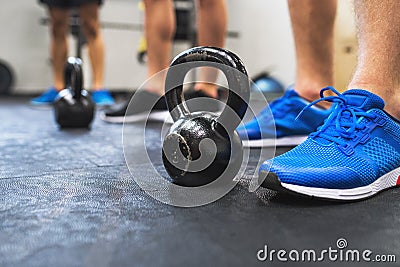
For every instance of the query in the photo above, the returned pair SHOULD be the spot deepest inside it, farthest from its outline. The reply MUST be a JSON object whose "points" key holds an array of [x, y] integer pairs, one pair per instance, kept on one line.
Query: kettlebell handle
{"points": [[224, 60], [73, 76]]}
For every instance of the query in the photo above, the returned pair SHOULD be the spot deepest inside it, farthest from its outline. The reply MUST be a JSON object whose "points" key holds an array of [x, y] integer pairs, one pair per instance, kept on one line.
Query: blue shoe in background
{"points": [[277, 124], [102, 98], [48, 97], [354, 155]]}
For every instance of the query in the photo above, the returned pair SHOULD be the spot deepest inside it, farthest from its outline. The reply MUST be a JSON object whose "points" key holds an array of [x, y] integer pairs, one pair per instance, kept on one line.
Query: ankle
{"points": [[155, 90], [207, 88], [390, 93], [309, 90], [58, 87], [311, 95]]}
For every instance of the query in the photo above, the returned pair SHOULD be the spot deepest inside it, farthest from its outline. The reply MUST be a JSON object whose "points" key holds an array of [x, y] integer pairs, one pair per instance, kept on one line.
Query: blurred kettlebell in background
{"points": [[74, 107]]}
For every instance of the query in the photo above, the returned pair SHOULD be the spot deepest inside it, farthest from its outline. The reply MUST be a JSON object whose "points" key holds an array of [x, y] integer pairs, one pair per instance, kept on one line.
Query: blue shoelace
{"points": [[344, 124]]}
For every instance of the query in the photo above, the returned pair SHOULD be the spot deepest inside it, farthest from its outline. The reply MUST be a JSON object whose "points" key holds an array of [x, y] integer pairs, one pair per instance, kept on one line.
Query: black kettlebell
{"points": [[74, 107], [201, 147]]}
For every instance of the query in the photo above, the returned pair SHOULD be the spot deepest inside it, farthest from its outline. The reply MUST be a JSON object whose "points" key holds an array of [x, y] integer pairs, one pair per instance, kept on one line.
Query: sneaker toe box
{"points": [[335, 177]]}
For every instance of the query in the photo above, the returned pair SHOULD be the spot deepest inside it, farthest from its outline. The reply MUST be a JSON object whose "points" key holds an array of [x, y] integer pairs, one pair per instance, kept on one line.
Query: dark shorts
{"points": [[69, 3]]}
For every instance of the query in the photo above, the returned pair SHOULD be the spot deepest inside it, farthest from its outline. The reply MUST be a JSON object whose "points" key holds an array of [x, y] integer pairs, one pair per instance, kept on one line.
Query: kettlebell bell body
{"points": [[74, 107], [201, 147], [185, 146]]}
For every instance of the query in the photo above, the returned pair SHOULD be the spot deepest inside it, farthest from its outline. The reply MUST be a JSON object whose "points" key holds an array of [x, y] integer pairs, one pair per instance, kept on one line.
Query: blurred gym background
{"points": [[258, 30]]}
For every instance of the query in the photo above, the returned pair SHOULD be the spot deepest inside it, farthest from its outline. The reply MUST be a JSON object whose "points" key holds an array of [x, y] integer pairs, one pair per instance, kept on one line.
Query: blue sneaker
{"points": [[354, 155], [279, 121], [46, 98], [102, 98]]}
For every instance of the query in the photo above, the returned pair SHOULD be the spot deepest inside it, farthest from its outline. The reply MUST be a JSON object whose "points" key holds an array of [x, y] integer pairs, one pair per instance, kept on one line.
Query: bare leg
{"points": [[212, 20], [89, 14], [313, 28], [58, 45], [159, 30], [379, 51]]}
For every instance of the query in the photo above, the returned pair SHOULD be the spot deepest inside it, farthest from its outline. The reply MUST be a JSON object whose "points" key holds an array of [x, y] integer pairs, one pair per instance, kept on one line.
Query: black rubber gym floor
{"points": [[68, 199]]}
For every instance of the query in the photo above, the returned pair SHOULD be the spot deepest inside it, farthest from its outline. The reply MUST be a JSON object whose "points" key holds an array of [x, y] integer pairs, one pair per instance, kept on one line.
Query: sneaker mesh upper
{"points": [[280, 119]]}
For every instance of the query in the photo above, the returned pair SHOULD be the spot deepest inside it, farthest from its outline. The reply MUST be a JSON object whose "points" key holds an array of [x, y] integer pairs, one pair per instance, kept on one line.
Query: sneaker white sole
{"points": [[156, 116], [284, 141], [391, 179]]}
